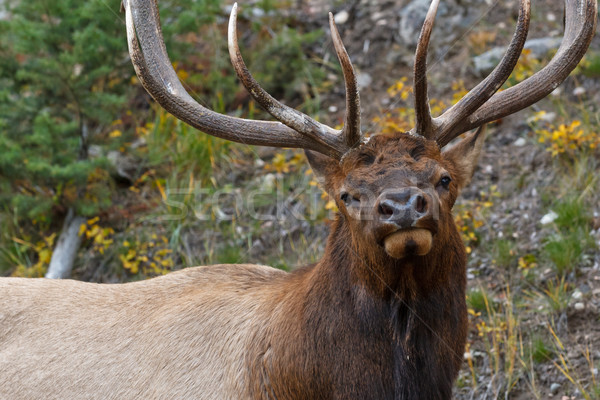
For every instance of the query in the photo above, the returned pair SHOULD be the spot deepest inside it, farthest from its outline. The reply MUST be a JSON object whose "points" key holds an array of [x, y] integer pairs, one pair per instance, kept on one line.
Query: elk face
{"points": [[397, 191]]}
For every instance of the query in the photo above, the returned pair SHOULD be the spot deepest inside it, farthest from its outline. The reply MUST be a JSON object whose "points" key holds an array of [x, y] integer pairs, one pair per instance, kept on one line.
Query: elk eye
{"points": [[366, 158], [445, 182], [348, 200]]}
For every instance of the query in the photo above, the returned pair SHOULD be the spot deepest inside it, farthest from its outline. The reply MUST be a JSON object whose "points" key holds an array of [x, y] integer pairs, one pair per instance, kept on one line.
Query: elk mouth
{"points": [[408, 242]]}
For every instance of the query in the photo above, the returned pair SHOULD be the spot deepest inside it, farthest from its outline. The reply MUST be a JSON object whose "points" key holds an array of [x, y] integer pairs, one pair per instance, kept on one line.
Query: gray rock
{"points": [[413, 15], [94, 151], [520, 142], [541, 46], [487, 61], [411, 21], [363, 80], [549, 218], [3, 13], [124, 166], [341, 17], [554, 388]]}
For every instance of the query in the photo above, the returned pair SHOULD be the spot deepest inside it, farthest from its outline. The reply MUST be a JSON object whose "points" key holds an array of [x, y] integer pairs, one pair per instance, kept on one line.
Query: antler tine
{"points": [[490, 85], [424, 123], [580, 26], [152, 65], [288, 116], [351, 131]]}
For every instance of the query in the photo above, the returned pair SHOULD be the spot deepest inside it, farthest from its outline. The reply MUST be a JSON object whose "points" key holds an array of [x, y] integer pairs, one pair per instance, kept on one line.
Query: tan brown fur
{"points": [[397, 244], [179, 336]]}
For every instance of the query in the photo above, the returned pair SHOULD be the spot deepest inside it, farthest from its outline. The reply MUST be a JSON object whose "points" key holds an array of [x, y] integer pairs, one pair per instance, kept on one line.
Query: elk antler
{"points": [[154, 69], [482, 104], [351, 130], [288, 116], [423, 120]]}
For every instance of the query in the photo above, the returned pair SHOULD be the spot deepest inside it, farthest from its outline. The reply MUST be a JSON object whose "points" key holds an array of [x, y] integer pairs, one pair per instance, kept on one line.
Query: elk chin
{"points": [[408, 242]]}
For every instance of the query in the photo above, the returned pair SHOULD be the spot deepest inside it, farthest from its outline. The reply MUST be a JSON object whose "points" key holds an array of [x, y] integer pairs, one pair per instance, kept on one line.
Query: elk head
{"points": [[395, 192]]}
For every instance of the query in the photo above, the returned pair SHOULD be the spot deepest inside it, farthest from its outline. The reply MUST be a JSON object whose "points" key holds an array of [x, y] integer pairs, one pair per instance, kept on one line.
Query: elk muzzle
{"points": [[407, 221]]}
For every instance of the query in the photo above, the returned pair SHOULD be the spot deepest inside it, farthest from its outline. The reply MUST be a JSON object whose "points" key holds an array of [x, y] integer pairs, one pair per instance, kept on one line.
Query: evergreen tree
{"points": [[63, 69], [63, 74]]}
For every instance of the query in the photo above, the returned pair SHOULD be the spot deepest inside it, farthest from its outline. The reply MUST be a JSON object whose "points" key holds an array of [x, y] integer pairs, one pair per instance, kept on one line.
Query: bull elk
{"points": [[381, 316]]}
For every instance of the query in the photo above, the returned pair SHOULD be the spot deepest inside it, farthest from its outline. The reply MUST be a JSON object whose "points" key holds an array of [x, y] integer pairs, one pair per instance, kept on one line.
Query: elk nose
{"points": [[403, 208]]}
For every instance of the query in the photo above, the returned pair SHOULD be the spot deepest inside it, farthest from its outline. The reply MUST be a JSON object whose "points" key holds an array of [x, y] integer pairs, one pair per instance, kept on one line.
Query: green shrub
{"points": [[63, 80], [572, 239]]}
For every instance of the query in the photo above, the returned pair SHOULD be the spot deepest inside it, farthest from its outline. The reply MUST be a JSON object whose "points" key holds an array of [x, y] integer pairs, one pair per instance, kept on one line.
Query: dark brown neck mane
{"points": [[352, 328]]}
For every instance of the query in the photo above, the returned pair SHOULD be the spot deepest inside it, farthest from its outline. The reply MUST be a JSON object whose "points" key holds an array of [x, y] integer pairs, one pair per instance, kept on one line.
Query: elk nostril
{"points": [[421, 204], [386, 210]]}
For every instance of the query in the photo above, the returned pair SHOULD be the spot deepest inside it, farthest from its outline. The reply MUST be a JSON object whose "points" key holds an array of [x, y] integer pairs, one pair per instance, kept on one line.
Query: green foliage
{"points": [[592, 66], [230, 255], [187, 16], [11, 252], [187, 150], [477, 300], [540, 351], [62, 80], [557, 294], [504, 252], [566, 247], [282, 66], [573, 214]]}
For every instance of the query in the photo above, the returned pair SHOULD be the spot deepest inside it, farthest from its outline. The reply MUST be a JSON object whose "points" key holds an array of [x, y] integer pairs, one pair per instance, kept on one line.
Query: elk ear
{"points": [[464, 156], [325, 169]]}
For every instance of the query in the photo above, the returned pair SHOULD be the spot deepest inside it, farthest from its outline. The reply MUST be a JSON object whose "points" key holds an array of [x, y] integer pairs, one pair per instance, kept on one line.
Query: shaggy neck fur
{"points": [[365, 326]]}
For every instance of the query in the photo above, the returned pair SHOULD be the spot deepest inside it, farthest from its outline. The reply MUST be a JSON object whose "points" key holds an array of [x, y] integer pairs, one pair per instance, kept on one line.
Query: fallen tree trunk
{"points": [[66, 248]]}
